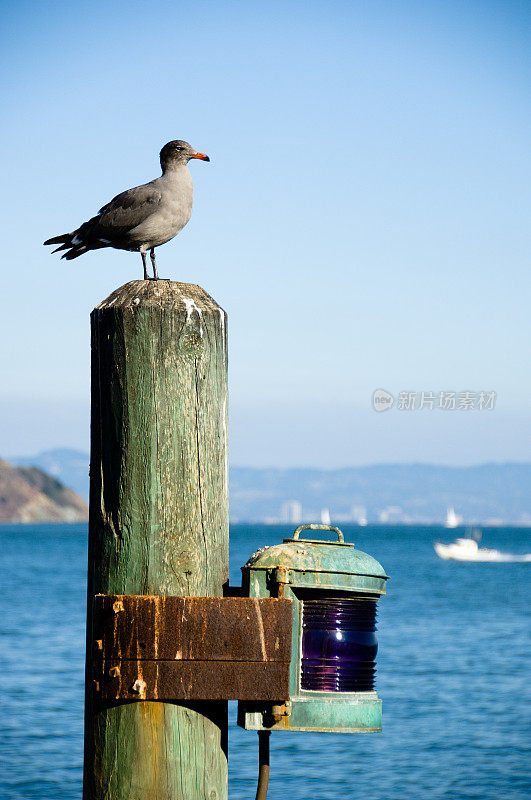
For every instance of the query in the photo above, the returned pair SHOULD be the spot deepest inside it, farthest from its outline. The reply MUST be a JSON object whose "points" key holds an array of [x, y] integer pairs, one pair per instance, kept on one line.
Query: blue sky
{"points": [[364, 219]]}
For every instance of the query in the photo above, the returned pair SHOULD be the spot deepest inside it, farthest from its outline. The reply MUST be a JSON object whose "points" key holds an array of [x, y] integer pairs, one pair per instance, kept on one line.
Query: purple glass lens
{"points": [[339, 644]]}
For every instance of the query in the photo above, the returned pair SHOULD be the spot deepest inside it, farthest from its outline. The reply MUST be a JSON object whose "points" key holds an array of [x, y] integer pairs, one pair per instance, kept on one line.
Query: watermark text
{"points": [[466, 400]]}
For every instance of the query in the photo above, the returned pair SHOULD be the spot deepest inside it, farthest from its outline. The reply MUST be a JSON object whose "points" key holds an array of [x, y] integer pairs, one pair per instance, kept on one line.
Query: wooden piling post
{"points": [[158, 521]]}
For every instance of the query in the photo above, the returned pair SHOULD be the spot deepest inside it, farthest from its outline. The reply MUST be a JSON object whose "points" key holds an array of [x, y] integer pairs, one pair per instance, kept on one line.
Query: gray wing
{"points": [[111, 226], [130, 208]]}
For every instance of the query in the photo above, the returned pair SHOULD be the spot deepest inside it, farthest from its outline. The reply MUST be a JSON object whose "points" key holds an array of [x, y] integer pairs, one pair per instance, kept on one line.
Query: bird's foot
{"points": [[154, 263]]}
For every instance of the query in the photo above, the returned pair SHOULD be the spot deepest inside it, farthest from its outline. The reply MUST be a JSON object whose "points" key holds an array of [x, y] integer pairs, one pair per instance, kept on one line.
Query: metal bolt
{"points": [[117, 606], [282, 578]]}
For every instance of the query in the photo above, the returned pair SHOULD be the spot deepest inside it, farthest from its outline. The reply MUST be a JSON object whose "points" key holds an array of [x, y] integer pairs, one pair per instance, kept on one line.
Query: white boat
{"points": [[467, 549]]}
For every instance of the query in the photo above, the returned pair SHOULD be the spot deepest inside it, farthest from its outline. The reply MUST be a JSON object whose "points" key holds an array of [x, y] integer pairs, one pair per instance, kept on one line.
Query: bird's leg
{"points": [[152, 256], [146, 276]]}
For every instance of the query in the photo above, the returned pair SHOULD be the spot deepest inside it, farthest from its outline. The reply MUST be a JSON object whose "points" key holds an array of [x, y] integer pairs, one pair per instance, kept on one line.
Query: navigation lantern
{"points": [[334, 589]]}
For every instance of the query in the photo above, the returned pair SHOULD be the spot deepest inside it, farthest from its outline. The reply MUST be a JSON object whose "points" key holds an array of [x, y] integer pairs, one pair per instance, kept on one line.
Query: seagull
{"points": [[142, 218]]}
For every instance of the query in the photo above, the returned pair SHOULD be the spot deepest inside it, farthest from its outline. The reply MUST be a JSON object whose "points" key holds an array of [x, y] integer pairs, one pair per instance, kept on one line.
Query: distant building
{"points": [[291, 512], [325, 516]]}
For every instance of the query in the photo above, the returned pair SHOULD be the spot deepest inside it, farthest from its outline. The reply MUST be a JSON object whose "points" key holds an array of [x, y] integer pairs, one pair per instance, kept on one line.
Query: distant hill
{"points": [[27, 494], [488, 493], [71, 467]]}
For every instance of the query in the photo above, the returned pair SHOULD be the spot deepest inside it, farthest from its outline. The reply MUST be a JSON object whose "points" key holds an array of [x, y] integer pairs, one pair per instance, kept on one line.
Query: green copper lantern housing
{"points": [[334, 589]]}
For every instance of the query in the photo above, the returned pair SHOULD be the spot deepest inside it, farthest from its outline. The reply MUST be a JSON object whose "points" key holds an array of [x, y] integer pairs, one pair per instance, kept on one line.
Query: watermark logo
{"points": [[382, 400]]}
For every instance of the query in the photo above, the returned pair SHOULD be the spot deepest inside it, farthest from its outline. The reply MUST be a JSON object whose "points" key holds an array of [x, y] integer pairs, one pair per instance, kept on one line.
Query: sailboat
{"points": [[325, 516], [453, 520]]}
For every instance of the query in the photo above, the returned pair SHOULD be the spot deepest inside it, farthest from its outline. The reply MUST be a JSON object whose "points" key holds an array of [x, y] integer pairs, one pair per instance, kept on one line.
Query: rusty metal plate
{"points": [[136, 627], [191, 648], [192, 680]]}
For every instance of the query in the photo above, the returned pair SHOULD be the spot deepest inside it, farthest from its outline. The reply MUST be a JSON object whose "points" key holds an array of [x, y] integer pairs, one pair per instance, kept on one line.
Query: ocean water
{"points": [[453, 673]]}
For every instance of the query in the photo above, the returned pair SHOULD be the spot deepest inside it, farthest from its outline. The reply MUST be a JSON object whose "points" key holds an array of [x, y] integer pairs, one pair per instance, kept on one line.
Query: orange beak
{"points": [[202, 156]]}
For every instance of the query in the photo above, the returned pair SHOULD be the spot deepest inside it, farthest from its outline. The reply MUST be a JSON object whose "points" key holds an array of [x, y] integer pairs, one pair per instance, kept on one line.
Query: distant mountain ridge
{"points": [[410, 493], [71, 467], [487, 494], [27, 494]]}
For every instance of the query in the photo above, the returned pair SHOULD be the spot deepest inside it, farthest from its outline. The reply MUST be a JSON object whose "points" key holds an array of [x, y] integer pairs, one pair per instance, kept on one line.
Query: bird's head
{"points": [[178, 152]]}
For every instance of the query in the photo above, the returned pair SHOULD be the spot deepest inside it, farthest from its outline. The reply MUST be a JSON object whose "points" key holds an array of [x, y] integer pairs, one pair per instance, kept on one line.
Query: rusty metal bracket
{"points": [[191, 648]]}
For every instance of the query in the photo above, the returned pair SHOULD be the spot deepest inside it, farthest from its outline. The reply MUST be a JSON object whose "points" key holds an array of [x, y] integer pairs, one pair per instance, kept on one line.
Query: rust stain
{"points": [[191, 648], [114, 672], [139, 687], [281, 577], [200, 680], [117, 606], [159, 612]]}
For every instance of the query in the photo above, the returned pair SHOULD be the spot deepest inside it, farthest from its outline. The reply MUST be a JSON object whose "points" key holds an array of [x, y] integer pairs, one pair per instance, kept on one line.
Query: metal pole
{"points": [[158, 521], [263, 765]]}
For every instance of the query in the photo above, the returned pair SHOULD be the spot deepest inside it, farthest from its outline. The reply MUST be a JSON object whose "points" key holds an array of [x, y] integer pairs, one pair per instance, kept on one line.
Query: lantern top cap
{"points": [[316, 555]]}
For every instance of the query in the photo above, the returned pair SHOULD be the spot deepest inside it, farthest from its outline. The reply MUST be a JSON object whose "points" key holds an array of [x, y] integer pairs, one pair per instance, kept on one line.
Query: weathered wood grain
{"points": [[158, 521]]}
